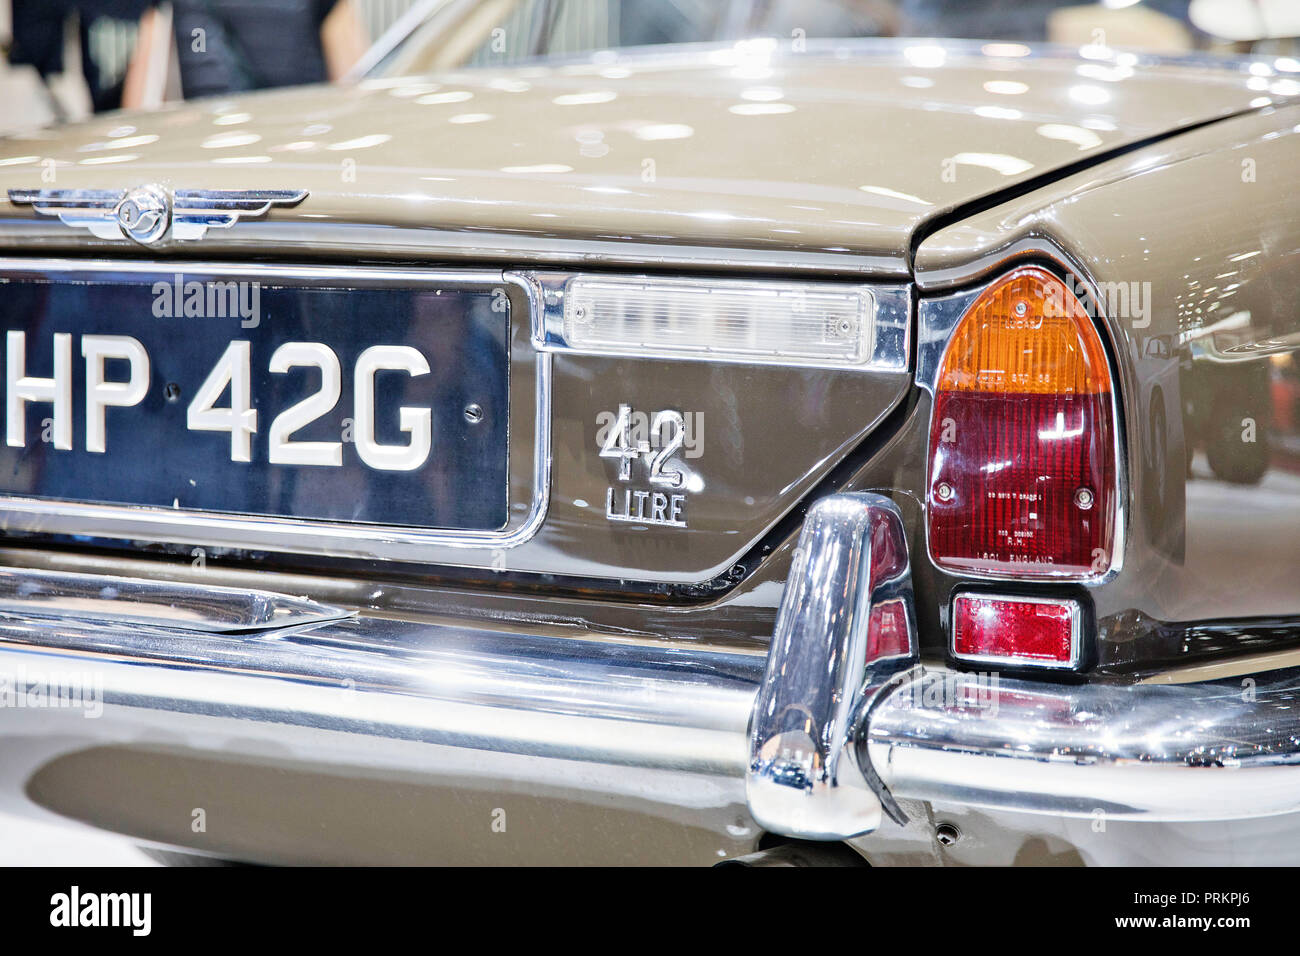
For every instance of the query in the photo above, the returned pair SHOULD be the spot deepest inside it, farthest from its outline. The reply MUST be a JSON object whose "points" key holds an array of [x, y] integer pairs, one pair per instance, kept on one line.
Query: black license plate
{"points": [[260, 396]]}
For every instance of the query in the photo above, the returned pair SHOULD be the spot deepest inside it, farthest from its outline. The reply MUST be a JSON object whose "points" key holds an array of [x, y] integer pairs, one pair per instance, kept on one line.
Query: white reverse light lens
{"points": [[785, 323]]}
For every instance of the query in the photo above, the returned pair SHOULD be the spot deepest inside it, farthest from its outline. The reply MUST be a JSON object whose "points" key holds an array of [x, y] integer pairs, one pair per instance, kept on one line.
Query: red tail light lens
{"points": [[1043, 632], [1022, 477]]}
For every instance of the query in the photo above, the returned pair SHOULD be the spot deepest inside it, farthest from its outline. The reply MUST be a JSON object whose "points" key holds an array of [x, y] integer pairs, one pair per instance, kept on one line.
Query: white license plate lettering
{"points": [[231, 375]]}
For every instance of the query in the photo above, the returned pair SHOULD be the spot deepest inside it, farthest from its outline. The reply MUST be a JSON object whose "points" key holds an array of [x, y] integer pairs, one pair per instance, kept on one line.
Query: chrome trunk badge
{"points": [[145, 212]]}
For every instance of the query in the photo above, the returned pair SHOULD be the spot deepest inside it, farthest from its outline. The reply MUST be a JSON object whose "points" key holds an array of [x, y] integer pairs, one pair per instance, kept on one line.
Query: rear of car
{"points": [[650, 458]]}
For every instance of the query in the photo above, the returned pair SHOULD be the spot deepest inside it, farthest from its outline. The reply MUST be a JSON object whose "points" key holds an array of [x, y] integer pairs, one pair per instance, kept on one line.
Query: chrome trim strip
{"points": [[350, 240], [185, 607], [295, 535], [993, 264], [805, 776], [1211, 751]]}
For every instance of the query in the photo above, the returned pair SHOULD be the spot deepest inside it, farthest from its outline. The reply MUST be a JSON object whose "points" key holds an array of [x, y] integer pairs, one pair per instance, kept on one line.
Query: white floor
{"points": [[26, 843]]}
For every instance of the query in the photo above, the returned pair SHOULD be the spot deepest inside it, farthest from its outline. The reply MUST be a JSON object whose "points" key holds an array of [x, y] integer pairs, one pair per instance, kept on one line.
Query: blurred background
{"points": [[61, 60]]}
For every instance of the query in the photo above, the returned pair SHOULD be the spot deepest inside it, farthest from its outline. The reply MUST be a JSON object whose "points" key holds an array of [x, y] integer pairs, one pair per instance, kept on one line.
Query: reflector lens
{"points": [[1022, 470], [1037, 631], [787, 323], [887, 633]]}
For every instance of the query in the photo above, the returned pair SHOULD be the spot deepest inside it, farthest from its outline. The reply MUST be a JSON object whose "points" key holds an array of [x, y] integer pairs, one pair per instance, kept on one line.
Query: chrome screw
{"points": [[1083, 498], [943, 491], [473, 413]]}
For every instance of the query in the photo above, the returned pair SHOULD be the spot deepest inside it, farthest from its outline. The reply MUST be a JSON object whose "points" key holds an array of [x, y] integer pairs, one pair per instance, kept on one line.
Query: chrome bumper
{"points": [[842, 732], [307, 734], [601, 741], [1217, 751]]}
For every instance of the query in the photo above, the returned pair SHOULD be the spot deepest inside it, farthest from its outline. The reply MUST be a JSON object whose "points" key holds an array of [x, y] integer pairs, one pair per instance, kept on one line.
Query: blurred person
{"points": [[227, 46], [38, 40]]}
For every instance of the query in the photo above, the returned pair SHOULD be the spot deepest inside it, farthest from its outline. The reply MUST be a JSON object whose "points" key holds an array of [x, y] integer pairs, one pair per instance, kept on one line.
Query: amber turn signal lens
{"points": [[1027, 335], [1022, 477]]}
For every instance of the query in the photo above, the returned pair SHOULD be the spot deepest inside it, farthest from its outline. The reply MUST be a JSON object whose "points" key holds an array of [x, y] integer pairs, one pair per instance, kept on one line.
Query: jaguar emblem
{"points": [[148, 214], [144, 214]]}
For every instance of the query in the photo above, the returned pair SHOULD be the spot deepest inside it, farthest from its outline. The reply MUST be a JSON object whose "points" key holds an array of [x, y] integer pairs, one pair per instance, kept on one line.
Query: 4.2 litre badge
{"points": [[653, 440]]}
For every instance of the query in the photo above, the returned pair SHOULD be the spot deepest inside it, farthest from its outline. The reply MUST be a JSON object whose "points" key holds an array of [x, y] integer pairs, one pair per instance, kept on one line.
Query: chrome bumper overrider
{"points": [[843, 727]]}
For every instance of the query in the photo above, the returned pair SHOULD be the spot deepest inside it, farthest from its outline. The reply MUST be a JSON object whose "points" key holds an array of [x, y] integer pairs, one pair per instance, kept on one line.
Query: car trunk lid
{"points": [[842, 152]]}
